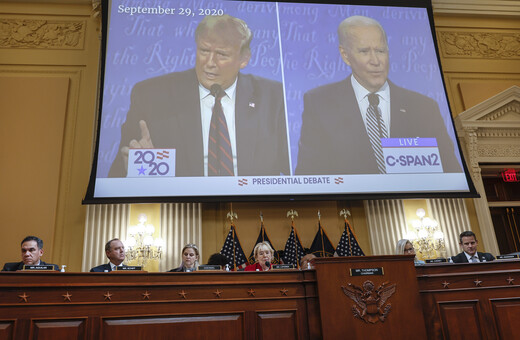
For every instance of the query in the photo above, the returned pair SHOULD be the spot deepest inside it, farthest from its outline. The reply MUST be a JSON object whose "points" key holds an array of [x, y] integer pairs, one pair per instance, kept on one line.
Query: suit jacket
{"points": [[101, 268], [14, 266], [334, 140], [170, 105], [461, 257]]}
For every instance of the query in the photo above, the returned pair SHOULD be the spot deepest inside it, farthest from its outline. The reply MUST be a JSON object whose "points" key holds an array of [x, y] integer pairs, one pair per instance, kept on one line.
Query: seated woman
{"points": [[405, 247], [190, 259], [263, 257], [219, 260]]}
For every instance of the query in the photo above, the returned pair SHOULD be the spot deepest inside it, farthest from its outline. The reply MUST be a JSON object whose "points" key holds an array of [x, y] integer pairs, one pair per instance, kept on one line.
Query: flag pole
{"points": [[262, 226], [232, 216], [321, 234], [346, 212], [293, 213]]}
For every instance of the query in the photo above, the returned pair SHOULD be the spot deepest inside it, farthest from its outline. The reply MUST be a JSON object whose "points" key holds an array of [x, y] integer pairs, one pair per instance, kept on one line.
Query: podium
{"points": [[369, 297]]}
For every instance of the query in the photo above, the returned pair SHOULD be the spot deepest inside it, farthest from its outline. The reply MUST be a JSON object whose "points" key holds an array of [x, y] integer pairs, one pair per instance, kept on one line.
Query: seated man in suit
{"points": [[220, 121], [115, 251], [32, 251], [469, 244], [343, 122]]}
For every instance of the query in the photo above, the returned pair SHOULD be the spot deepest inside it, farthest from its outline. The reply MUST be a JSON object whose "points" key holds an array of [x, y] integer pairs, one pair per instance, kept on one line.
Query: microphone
{"points": [[268, 264], [215, 90]]}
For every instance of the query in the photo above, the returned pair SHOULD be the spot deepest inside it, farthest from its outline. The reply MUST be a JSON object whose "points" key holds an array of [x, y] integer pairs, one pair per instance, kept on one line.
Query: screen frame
{"points": [[90, 199]]}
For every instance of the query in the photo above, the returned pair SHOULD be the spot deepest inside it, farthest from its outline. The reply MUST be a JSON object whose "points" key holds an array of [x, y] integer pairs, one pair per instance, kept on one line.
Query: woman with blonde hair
{"points": [[405, 247], [264, 254]]}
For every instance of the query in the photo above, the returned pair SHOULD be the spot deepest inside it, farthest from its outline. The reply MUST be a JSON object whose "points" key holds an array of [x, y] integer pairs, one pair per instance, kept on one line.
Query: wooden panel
{"points": [[373, 306], [227, 326], [35, 160], [507, 317], [277, 325], [460, 320], [58, 329], [6, 330]]}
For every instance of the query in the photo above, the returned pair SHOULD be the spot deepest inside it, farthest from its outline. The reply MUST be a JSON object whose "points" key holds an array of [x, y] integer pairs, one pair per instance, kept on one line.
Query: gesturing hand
{"points": [[144, 143]]}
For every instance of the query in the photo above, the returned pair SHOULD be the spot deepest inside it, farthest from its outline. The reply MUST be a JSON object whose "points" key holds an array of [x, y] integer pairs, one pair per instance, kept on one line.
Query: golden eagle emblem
{"points": [[370, 302]]}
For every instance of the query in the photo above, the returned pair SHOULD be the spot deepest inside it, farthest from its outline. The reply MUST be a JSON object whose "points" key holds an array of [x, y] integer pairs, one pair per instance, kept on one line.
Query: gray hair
{"points": [[356, 21], [264, 244], [108, 245], [401, 244]]}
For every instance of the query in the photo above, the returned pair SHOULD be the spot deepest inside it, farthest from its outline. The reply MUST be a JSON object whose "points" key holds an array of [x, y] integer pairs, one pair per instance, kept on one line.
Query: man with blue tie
{"points": [[469, 243], [115, 251]]}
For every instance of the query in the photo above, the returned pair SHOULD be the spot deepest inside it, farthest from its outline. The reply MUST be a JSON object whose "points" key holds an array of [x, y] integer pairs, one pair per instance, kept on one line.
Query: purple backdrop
{"points": [[142, 46]]}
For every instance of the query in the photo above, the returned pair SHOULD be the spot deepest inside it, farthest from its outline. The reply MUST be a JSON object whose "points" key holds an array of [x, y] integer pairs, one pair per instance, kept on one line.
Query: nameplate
{"points": [[210, 267], [151, 163], [128, 268], [366, 271], [506, 257], [282, 266], [411, 155], [435, 260], [42, 267]]}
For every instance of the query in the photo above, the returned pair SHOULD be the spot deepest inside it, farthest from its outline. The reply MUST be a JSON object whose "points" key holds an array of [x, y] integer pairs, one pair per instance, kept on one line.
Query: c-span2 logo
{"points": [[411, 155]]}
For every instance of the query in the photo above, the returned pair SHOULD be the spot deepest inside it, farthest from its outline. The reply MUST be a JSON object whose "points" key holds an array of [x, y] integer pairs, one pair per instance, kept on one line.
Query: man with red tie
{"points": [[181, 111]]}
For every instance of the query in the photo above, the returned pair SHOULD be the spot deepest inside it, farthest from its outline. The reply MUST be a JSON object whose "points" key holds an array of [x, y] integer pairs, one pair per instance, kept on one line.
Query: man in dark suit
{"points": [[469, 243], [175, 110], [334, 137], [115, 251], [32, 251]]}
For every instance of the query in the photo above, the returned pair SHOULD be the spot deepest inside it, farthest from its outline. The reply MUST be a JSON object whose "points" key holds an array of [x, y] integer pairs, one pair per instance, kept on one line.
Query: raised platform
{"points": [[458, 301]]}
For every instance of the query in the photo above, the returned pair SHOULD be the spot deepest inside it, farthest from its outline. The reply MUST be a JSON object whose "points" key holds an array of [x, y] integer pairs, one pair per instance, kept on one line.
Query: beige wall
{"points": [[48, 99]]}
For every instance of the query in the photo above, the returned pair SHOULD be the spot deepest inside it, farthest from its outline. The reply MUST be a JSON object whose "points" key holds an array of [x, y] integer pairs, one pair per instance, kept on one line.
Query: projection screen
{"points": [[292, 114]]}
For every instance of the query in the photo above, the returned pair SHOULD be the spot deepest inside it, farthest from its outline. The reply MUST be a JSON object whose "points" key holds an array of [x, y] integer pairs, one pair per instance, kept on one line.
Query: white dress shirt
{"points": [[469, 257], [384, 101]]}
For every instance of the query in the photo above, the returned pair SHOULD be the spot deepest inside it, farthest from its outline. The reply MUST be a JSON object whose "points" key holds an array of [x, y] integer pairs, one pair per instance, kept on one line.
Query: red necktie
{"points": [[220, 156]]}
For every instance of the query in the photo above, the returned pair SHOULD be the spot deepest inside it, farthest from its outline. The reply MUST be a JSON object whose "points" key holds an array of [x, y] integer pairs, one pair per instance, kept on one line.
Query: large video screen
{"points": [[204, 100]]}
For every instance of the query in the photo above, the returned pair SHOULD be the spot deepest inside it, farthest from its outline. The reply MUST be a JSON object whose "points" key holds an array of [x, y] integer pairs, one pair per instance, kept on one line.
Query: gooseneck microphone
{"points": [[268, 264]]}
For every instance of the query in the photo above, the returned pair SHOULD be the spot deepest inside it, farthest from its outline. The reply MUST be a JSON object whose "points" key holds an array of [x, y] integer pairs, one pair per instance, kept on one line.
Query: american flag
{"points": [[293, 251], [348, 244], [233, 250], [321, 246], [261, 238]]}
